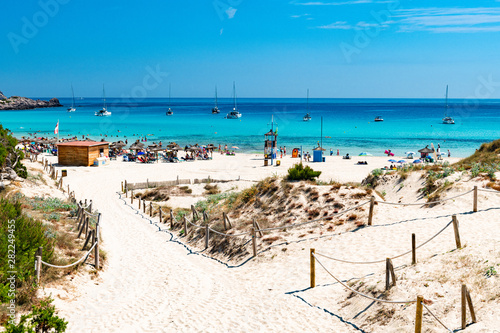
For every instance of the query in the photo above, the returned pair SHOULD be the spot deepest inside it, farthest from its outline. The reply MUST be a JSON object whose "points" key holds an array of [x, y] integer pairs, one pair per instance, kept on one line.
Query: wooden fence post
{"points": [[185, 226], [195, 214], [171, 220], [131, 196], [90, 206], [122, 187], [227, 220], [313, 268], [207, 235], [161, 220], [87, 240], [471, 307], [413, 250], [224, 220], [370, 212], [389, 274], [96, 248], [418, 319], [38, 269], [126, 188], [457, 234], [474, 208], [150, 209], [139, 204], [257, 227], [463, 306], [143, 206], [254, 242]]}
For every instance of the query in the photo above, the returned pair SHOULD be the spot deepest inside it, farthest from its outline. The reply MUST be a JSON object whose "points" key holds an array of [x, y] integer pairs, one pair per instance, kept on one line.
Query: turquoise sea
{"points": [[409, 124]]}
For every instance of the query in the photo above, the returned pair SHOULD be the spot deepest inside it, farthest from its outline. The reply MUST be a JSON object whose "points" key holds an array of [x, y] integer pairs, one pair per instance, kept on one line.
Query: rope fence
{"points": [[153, 184], [256, 230], [83, 217], [420, 302]]}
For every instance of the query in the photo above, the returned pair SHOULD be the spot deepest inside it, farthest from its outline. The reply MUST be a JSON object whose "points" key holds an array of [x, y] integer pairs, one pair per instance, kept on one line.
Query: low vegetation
{"points": [[299, 172]]}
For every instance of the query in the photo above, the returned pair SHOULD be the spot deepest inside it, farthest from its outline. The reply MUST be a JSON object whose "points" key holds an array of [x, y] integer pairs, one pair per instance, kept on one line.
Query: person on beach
{"points": [[449, 154], [331, 151], [338, 152], [438, 149], [284, 150]]}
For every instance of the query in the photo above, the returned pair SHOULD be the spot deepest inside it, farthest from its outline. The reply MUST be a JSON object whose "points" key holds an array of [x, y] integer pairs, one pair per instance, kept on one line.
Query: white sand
{"points": [[153, 284]]}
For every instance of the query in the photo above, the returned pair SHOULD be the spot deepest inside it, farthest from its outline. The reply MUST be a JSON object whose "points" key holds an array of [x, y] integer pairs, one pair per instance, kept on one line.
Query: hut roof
{"points": [[82, 144], [426, 150], [319, 148]]}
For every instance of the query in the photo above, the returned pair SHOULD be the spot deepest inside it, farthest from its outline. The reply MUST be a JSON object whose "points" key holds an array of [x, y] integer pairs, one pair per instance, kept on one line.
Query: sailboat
{"points": [[72, 108], [169, 111], [447, 119], [307, 117], [234, 114], [215, 110], [103, 112]]}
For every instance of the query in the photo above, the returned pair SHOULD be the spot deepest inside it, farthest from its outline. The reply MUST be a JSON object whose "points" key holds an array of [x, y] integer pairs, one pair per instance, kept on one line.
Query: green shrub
{"points": [[28, 235], [8, 150], [298, 172], [42, 319]]}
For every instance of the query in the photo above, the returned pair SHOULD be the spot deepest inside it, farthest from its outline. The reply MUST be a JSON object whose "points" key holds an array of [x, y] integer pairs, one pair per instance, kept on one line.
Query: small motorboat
{"points": [[307, 117], [233, 115], [170, 112], [103, 113], [379, 119]]}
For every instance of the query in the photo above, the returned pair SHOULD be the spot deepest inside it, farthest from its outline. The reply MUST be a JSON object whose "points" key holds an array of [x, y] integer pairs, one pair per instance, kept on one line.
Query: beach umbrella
{"points": [[417, 161], [365, 154], [392, 160], [410, 152], [401, 161], [194, 148]]}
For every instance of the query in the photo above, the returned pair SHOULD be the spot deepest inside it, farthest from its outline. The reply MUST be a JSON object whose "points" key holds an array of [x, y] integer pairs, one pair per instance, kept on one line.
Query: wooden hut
{"points": [[81, 153]]}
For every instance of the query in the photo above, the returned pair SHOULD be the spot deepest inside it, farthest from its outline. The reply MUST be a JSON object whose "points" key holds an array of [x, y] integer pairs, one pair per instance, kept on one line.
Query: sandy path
{"points": [[153, 285]]}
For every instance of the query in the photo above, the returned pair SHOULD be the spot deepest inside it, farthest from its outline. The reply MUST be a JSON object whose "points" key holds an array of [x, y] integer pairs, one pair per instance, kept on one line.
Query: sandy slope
{"points": [[152, 283]]}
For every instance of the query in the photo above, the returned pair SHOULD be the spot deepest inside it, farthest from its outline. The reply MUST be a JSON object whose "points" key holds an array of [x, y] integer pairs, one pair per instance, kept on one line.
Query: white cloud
{"points": [[231, 12], [449, 20], [343, 25], [299, 16], [341, 3], [339, 25]]}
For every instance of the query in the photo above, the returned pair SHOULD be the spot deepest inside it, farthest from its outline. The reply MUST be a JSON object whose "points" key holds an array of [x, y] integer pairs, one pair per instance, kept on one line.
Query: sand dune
{"points": [[153, 283]]}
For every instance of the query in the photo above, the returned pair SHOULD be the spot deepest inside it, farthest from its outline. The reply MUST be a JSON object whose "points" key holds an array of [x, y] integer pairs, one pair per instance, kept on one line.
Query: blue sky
{"points": [[271, 48]]}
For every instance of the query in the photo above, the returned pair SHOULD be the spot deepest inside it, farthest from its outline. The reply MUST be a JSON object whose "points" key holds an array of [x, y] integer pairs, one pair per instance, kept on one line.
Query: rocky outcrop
{"points": [[23, 103]]}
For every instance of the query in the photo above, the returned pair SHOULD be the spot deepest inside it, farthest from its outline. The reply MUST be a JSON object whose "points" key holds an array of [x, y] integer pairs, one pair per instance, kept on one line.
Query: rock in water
{"points": [[23, 103]]}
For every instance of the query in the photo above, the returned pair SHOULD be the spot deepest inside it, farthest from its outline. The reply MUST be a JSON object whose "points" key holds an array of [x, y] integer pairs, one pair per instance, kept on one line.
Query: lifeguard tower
{"points": [[270, 144]]}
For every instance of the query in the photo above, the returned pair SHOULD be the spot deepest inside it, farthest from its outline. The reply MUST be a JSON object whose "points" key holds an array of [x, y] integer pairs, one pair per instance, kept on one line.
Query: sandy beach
{"points": [[154, 282]]}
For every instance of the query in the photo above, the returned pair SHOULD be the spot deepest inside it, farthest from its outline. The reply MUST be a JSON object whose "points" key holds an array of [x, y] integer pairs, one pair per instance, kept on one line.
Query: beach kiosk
{"points": [[270, 144], [82, 153], [424, 152], [318, 154]]}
